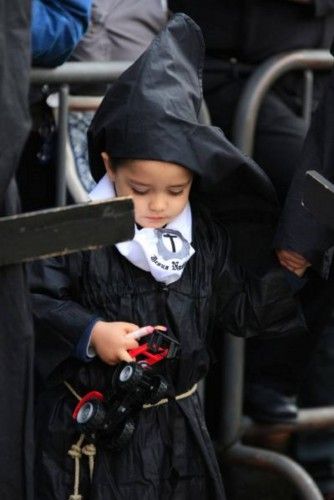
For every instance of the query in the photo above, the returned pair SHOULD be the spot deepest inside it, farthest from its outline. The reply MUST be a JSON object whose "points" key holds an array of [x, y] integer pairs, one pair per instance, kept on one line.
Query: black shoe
{"points": [[266, 405]]}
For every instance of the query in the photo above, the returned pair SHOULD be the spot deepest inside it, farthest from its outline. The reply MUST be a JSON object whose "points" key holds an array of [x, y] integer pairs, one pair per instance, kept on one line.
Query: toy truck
{"points": [[111, 418]]}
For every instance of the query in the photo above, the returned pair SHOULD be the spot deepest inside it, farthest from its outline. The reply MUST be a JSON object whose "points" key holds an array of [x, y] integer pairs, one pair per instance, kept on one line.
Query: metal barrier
{"points": [[63, 76], [261, 81], [232, 427]]}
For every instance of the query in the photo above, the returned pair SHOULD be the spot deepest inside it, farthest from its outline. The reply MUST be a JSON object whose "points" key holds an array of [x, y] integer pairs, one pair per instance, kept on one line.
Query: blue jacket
{"points": [[57, 26]]}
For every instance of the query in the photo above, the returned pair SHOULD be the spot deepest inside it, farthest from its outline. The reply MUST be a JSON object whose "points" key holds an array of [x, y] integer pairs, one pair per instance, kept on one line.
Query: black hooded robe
{"points": [[151, 112], [171, 441]]}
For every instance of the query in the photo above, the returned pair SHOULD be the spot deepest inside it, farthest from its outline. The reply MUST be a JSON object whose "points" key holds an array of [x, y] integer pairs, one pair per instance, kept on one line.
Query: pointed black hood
{"points": [[151, 112]]}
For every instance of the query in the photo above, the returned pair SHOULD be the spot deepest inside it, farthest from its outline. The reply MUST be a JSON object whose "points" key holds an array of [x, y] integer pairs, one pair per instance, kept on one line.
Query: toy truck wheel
{"points": [[91, 415], [127, 376], [124, 435], [160, 389]]}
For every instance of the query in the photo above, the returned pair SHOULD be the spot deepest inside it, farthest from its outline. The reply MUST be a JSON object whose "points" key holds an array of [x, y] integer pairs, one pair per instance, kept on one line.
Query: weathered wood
{"points": [[59, 231], [318, 197]]}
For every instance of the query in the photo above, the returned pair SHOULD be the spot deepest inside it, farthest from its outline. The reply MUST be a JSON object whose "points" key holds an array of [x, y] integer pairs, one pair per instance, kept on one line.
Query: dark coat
{"points": [[120, 31], [212, 293], [56, 28], [253, 30], [16, 338]]}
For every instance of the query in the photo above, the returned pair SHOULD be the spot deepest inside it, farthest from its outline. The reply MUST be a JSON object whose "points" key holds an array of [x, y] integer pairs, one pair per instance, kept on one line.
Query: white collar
{"points": [[163, 252]]}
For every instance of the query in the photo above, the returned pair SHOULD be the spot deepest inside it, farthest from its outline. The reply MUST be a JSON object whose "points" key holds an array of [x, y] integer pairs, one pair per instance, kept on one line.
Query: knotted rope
{"points": [[177, 398], [89, 450], [76, 451]]}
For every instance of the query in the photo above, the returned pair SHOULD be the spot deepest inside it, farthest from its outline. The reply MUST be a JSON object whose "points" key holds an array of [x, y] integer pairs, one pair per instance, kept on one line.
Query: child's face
{"points": [[160, 190]]}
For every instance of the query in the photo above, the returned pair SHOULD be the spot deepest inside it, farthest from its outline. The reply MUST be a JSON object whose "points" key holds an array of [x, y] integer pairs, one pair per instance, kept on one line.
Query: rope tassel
{"points": [[76, 451], [90, 451]]}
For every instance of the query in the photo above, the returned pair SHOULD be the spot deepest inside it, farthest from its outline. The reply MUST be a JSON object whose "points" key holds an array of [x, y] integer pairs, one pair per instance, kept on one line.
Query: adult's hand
{"points": [[293, 261]]}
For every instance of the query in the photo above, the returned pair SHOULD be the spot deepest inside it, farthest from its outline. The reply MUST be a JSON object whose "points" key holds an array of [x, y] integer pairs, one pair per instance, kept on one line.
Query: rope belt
{"points": [[77, 449], [147, 405], [177, 397]]}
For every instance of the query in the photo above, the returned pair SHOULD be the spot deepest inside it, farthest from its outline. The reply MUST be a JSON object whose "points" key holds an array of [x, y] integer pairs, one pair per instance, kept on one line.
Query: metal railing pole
{"points": [[79, 72], [308, 96], [277, 463], [309, 419], [260, 82], [231, 402], [61, 144]]}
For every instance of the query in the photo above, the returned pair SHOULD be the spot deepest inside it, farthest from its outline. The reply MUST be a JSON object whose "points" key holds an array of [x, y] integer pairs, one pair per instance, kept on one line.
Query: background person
{"points": [[301, 236], [119, 31], [16, 335], [57, 26], [239, 36]]}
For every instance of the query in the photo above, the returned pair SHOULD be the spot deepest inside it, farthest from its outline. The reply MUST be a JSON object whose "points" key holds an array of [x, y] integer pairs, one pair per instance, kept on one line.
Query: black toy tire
{"points": [[91, 416], [160, 390], [117, 443], [127, 376]]}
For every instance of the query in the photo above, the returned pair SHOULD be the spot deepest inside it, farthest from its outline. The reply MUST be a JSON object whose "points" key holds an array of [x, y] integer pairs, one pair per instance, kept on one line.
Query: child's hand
{"points": [[111, 341], [293, 261]]}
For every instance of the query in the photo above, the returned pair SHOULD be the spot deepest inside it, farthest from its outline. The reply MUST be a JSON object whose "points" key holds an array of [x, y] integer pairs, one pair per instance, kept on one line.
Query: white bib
{"points": [[163, 252]]}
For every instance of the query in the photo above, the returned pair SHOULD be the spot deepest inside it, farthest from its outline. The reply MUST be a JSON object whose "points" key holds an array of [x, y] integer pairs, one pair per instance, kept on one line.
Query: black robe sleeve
{"points": [[59, 320], [255, 303]]}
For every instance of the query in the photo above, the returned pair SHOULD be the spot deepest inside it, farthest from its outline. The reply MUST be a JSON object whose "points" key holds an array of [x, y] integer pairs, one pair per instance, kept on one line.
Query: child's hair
{"points": [[118, 162]]}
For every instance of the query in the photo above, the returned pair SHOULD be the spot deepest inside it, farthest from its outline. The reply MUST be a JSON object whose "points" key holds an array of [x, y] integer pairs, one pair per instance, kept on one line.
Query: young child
{"points": [[146, 141]]}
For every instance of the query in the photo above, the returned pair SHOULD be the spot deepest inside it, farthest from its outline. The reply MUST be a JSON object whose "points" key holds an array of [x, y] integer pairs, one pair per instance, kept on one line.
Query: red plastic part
{"points": [[144, 353], [89, 395]]}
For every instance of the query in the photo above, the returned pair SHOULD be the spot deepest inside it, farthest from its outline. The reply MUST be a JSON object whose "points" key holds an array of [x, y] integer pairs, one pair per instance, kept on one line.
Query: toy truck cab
{"points": [[158, 346]]}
